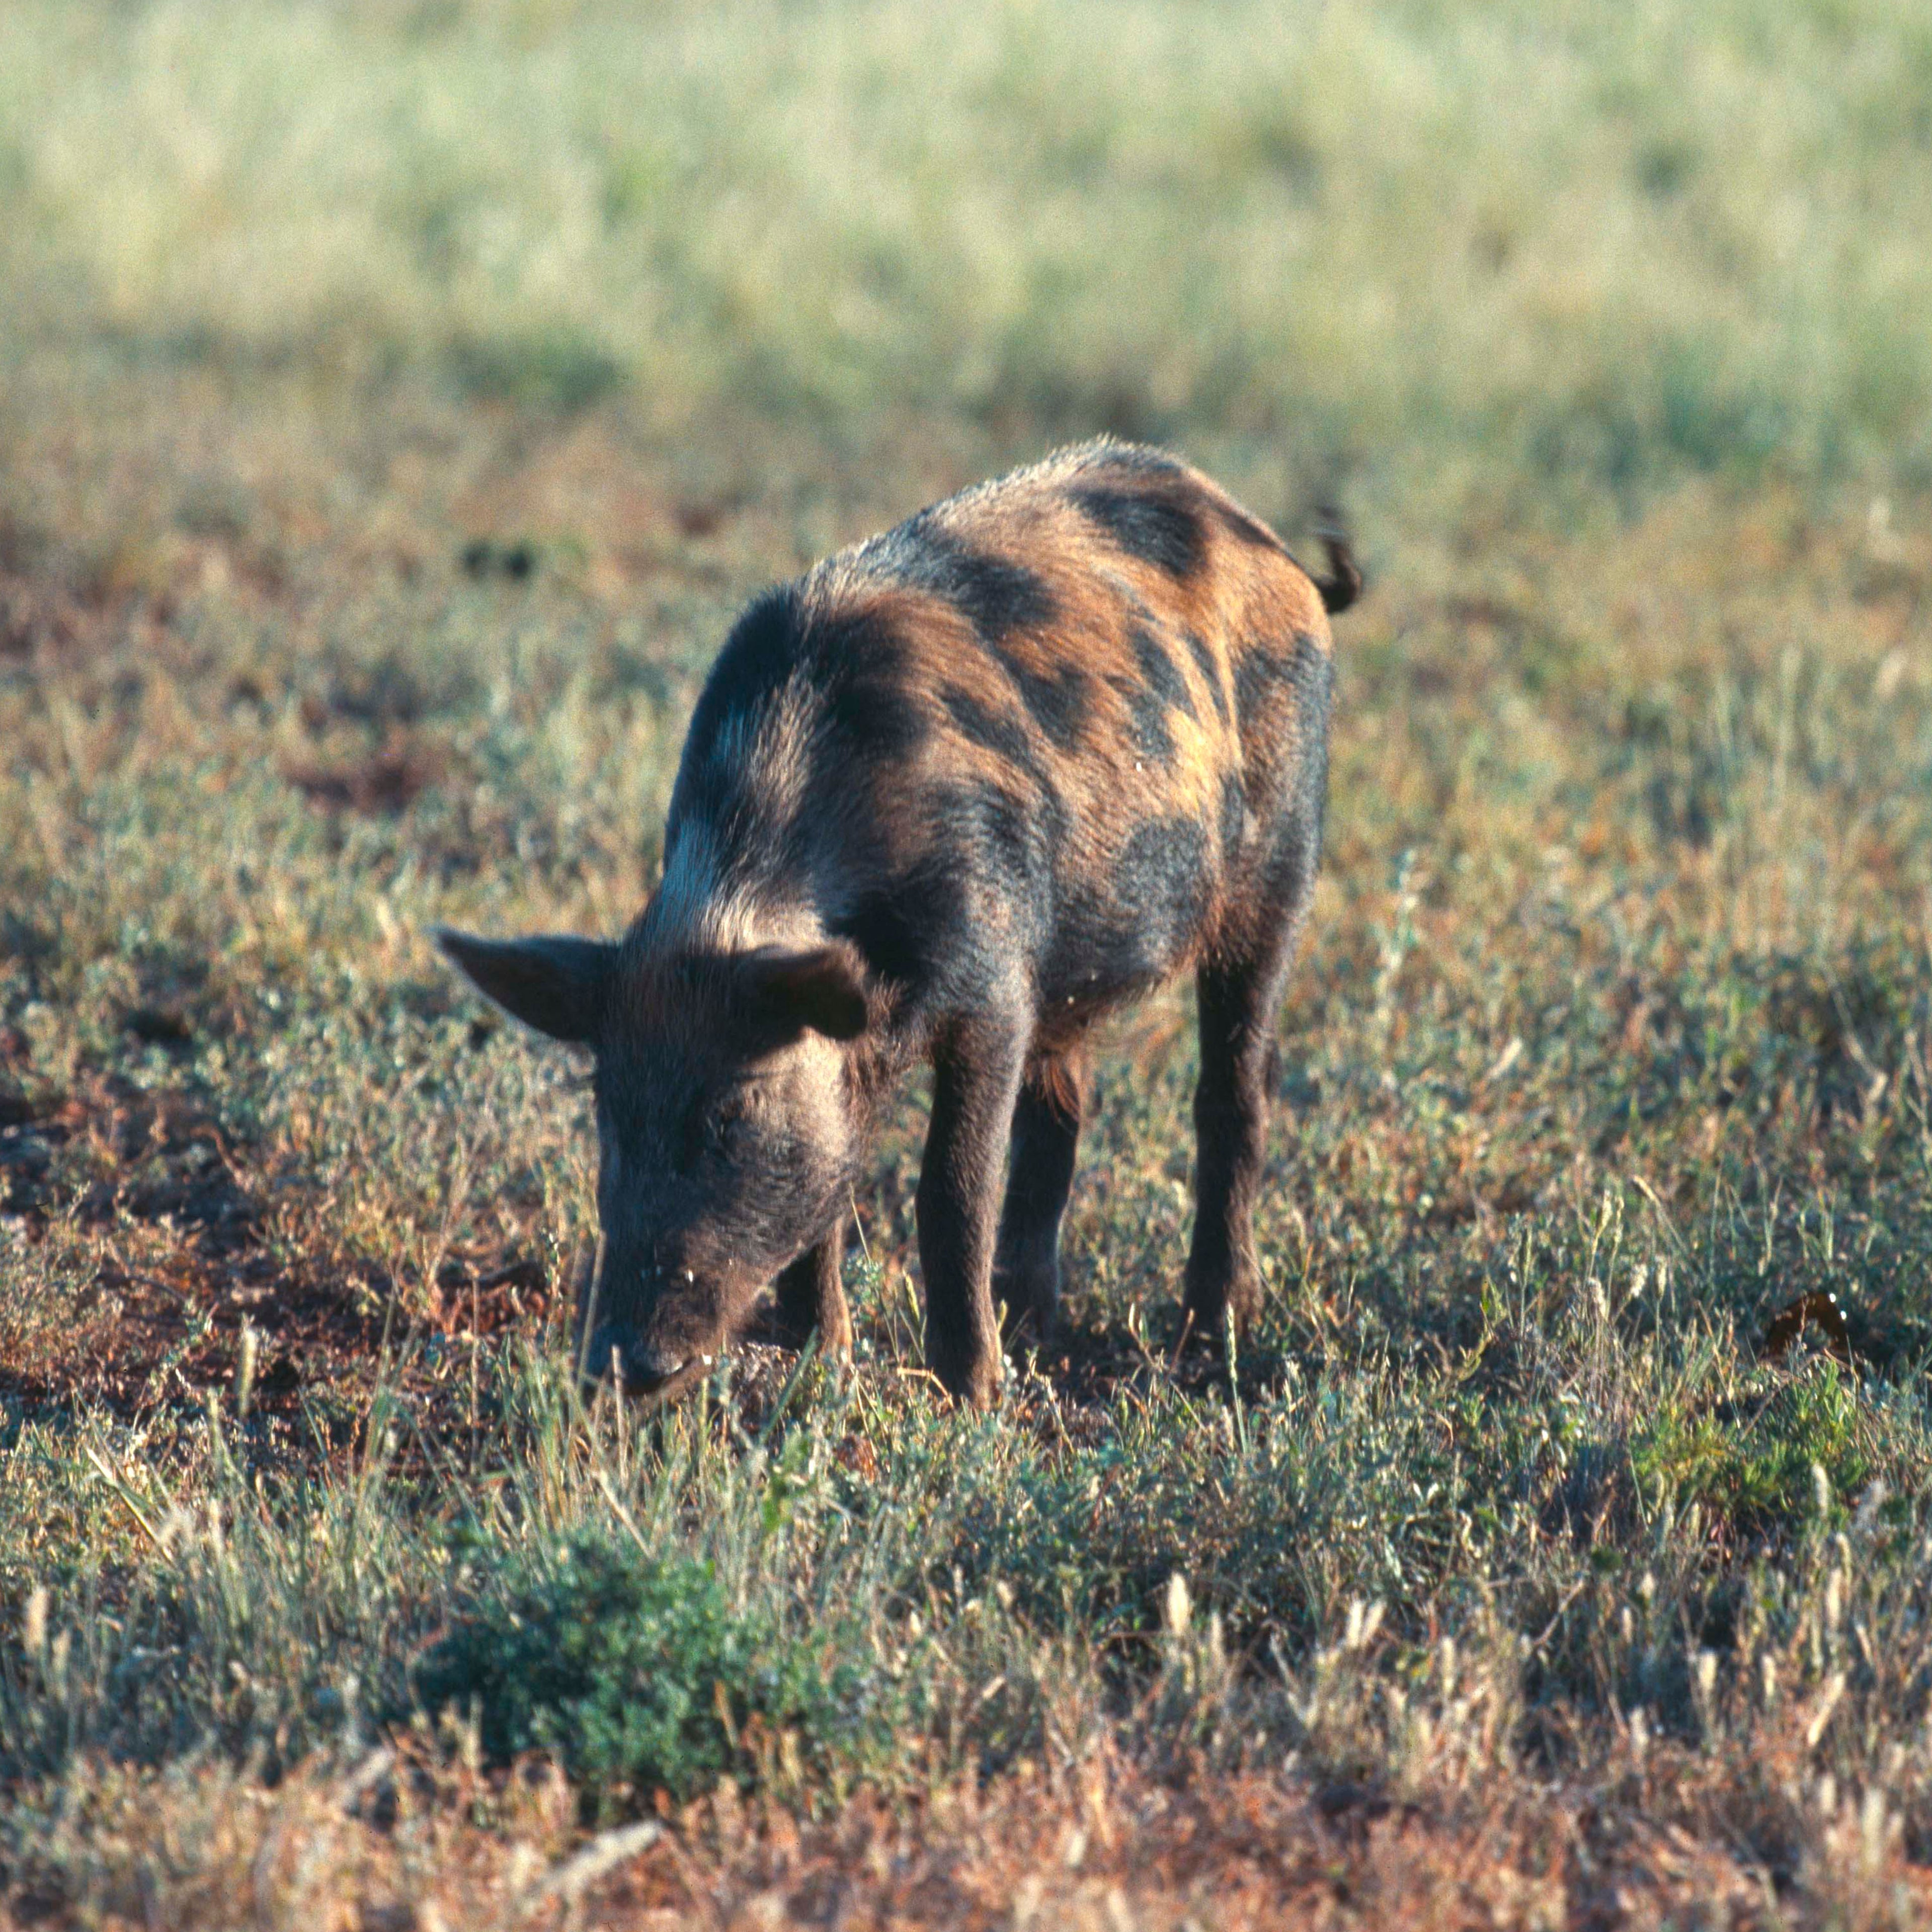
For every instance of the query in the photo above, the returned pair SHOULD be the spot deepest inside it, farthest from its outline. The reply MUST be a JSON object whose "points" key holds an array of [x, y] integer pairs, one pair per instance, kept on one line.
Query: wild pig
{"points": [[953, 794]]}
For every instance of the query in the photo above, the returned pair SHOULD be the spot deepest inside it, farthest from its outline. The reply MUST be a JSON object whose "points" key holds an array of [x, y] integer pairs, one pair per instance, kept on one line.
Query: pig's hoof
{"points": [[982, 1392], [1028, 1293], [973, 1380], [1206, 1311]]}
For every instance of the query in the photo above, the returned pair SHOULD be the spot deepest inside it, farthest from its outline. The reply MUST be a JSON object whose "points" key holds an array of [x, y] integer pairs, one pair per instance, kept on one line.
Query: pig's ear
{"points": [[552, 982], [824, 990]]}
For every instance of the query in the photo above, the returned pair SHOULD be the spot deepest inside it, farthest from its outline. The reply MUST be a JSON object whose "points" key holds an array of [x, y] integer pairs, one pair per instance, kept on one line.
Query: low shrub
{"points": [[639, 1673]]}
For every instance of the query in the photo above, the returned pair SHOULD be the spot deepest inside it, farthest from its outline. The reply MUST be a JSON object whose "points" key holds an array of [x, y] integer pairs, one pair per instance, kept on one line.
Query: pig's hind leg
{"points": [[1240, 988], [1230, 1120], [1039, 1174]]}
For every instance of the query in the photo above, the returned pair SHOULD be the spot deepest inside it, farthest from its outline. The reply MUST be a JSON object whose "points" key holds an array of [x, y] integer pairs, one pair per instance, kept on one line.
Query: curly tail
{"points": [[1344, 584]]}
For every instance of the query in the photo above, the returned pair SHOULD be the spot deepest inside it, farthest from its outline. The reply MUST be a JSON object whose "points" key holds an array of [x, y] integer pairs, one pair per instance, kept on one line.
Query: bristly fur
{"points": [[988, 775]]}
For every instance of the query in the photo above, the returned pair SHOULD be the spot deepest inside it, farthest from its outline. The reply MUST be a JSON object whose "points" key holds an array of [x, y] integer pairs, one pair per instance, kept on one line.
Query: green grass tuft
{"points": [[638, 1672]]}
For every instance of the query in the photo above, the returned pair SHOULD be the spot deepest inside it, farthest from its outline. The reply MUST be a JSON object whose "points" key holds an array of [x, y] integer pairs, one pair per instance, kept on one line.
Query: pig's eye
{"points": [[722, 1126], [712, 1131]]}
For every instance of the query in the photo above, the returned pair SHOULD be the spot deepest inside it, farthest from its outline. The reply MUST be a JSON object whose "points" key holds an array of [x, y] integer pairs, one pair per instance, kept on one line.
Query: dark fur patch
{"points": [[1005, 737], [995, 595], [1234, 813], [1300, 667], [1135, 459], [1157, 529], [1162, 673], [868, 709], [1057, 701], [759, 657], [1210, 672], [877, 718], [1162, 872], [847, 659], [916, 930], [903, 926], [1004, 828], [1147, 721], [1294, 847], [1261, 670], [1247, 529], [1103, 952], [1131, 928], [1045, 826], [997, 834]]}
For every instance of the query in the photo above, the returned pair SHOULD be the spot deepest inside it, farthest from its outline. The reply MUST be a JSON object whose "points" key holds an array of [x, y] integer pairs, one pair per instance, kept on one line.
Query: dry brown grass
{"points": [[1104, 1847]]}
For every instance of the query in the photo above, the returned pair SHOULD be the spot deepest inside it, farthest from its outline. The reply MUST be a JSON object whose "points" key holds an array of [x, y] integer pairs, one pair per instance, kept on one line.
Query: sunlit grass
{"points": [[1503, 1548]]}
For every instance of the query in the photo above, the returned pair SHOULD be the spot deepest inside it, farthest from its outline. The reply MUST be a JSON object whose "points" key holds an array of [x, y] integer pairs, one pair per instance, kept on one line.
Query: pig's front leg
{"points": [[975, 1080], [811, 1293]]}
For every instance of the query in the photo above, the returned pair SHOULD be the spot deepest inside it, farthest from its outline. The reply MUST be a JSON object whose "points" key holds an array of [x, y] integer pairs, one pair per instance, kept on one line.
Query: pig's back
{"points": [[1065, 730]]}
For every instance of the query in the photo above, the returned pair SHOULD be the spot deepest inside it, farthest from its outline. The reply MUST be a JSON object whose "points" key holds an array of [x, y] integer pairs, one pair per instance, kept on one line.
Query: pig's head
{"points": [[728, 1131]]}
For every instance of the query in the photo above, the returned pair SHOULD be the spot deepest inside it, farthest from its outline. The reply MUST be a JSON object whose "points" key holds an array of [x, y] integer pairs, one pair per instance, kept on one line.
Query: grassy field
{"points": [[397, 401]]}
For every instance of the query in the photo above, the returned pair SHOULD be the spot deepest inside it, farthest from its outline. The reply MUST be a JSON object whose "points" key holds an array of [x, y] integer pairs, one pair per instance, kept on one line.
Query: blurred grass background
{"points": [[1526, 244]]}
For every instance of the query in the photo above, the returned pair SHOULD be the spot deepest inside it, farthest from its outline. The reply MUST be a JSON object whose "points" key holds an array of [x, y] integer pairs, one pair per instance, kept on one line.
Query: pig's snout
{"points": [[620, 1344], [642, 1366]]}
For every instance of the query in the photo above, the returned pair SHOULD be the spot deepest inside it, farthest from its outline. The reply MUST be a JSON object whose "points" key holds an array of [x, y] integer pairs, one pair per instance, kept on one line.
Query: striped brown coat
{"points": [[952, 795]]}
